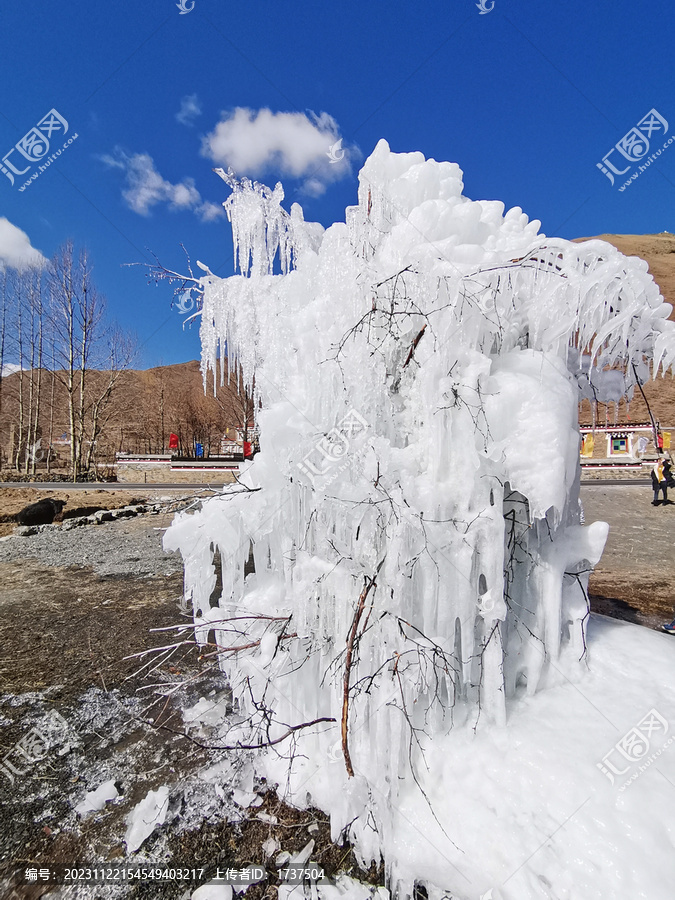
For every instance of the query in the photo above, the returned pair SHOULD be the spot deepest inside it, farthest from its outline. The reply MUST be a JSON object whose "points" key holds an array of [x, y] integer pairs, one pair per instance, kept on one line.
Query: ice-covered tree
{"points": [[413, 513]]}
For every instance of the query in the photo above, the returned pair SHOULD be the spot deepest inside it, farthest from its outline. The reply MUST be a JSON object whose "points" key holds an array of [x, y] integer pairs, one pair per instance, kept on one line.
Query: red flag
{"points": [[173, 441]]}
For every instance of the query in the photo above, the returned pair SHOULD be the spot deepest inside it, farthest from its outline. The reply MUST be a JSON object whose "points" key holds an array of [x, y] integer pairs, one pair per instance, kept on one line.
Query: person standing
{"points": [[660, 477]]}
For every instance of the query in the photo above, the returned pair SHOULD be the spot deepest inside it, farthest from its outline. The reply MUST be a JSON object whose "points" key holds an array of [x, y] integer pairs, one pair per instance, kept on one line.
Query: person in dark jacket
{"points": [[660, 477]]}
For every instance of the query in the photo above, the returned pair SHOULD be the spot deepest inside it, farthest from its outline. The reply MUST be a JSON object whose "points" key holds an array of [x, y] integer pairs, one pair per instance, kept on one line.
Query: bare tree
{"points": [[236, 403], [22, 319], [36, 319], [4, 301], [90, 357], [75, 314], [121, 350]]}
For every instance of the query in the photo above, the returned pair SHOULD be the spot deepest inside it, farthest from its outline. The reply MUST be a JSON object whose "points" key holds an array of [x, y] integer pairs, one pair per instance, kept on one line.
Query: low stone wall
{"points": [[134, 472], [611, 473]]}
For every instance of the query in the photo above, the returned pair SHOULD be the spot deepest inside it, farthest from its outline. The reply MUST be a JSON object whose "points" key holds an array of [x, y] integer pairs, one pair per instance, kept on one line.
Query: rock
{"points": [[26, 530], [79, 512], [123, 513], [75, 522]]}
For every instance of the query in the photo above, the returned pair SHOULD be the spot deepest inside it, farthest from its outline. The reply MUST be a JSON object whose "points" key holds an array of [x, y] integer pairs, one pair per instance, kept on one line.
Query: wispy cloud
{"points": [[16, 250], [294, 144], [146, 188], [190, 109]]}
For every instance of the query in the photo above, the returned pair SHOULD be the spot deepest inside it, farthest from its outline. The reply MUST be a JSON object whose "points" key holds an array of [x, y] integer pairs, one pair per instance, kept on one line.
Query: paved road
{"points": [[123, 486], [104, 486], [636, 574]]}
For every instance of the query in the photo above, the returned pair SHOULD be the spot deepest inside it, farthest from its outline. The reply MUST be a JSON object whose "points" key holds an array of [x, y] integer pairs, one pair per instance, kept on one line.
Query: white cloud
{"points": [[145, 187], [297, 144], [210, 211], [190, 109], [16, 250]]}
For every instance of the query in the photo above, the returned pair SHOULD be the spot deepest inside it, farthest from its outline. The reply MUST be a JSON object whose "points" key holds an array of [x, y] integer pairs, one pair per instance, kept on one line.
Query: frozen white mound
{"points": [[145, 817], [420, 567]]}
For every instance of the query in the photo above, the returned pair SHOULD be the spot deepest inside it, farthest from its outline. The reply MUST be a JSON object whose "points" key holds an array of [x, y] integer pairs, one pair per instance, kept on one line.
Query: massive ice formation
{"points": [[413, 512]]}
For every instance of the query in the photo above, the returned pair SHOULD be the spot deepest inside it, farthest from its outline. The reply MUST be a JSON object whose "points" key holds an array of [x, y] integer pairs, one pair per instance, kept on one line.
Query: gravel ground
{"points": [[124, 547], [77, 607]]}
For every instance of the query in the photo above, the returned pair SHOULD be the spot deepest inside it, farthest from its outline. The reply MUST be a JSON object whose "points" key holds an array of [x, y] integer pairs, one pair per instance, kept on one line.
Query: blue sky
{"points": [[527, 98]]}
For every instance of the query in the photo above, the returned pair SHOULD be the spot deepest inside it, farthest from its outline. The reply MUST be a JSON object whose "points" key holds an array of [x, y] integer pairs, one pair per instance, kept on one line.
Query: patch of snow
{"points": [[145, 817], [97, 799], [346, 888], [207, 711], [213, 891], [244, 798], [270, 846]]}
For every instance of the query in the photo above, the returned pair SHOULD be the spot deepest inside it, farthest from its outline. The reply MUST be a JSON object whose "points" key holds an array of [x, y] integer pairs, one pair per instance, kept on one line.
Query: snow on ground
{"points": [[527, 812], [145, 817]]}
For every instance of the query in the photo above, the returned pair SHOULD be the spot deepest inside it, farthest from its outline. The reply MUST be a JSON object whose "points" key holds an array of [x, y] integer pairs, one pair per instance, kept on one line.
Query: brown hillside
{"points": [[659, 252]]}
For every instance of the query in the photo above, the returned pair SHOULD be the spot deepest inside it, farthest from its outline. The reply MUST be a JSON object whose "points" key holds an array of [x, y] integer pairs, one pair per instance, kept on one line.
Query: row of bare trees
{"points": [[66, 358], [69, 400]]}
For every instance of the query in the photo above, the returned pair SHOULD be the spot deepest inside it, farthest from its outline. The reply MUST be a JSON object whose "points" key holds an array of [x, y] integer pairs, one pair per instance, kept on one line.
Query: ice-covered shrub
{"points": [[413, 512]]}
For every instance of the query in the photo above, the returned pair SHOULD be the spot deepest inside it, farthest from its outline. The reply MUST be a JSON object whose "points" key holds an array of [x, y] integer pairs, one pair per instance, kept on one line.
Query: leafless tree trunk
{"points": [[3, 327], [76, 310], [51, 409], [35, 337], [19, 333], [121, 351]]}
